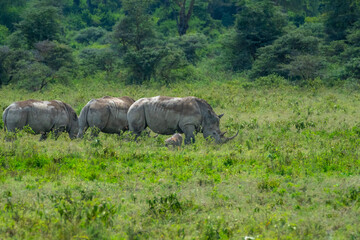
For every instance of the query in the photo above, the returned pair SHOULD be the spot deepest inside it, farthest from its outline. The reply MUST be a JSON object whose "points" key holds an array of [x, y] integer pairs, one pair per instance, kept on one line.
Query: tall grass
{"points": [[292, 173]]}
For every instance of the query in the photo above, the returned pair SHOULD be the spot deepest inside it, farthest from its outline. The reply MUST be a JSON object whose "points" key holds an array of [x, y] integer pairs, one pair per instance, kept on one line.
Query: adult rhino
{"points": [[108, 114], [168, 115], [42, 117]]}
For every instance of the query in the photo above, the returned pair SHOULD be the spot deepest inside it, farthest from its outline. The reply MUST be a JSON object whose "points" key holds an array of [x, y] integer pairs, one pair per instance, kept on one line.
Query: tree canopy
{"points": [[164, 40]]}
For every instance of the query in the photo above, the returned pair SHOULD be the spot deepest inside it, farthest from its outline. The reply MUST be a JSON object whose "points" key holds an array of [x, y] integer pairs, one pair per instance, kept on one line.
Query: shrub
{"points": [[91, 34], [258, 24], [299, 46], [190, 45], [272, 80], [32, 76], [4, 32], [95, 59], [41, 24], [304, 67], [142, 63], [55, 55]]}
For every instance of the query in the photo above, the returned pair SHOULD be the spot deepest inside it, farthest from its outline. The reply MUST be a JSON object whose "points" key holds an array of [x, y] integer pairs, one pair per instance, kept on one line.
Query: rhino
{"points": [[174, 140], [42, 117], [107, 114], [168, 115]]}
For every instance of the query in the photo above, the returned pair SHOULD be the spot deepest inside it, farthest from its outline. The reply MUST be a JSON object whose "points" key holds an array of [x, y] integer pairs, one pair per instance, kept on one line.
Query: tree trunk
{"points": [[183, 19]]}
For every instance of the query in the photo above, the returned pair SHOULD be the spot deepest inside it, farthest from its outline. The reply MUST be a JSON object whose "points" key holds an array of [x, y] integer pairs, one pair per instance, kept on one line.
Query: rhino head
{"points": [[211, 129]]}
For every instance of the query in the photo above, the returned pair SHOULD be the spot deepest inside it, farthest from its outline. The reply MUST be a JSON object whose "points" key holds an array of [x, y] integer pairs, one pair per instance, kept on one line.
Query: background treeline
{"points": [[137, 41]]}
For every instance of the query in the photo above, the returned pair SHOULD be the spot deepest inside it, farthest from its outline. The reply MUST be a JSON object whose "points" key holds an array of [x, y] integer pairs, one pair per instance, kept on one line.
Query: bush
{"points": [[4, 32], [55, 55], [41, 24], [95, 59], [9, 62], [32, 76], [304, 67], [299, 46], [142, 63], [272, 80], [168, 68], [352, 68], [190, 45], [91, 34], [258, 24]]}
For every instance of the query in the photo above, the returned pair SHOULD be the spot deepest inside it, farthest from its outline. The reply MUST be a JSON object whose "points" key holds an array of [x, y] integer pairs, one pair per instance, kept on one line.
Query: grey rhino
{"points": [[42, 117], [174, 140], [168, 115], [107, 114]]}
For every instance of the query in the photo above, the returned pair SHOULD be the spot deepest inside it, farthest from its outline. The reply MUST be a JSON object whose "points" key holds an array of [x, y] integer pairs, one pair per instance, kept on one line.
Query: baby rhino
{"points": [[174, 140]]}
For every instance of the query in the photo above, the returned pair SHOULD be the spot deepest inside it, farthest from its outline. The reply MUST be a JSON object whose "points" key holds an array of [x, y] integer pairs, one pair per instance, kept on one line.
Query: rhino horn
{"points": [[223, 134], [230, 138], [220, 116]]}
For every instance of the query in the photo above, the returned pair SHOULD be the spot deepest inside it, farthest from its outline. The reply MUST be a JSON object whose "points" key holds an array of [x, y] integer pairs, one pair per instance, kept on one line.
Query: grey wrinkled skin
{"points": [[107, 114], [42, 117], [175, 140], [168, 115]]}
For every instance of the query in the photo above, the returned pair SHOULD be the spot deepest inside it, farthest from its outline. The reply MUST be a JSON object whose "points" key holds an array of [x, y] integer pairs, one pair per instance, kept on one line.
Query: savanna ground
{"points": [[292, 173]]}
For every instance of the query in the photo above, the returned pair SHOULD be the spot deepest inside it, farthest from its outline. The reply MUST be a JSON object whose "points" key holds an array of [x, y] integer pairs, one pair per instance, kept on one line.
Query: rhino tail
{"points": [[5, 117]]}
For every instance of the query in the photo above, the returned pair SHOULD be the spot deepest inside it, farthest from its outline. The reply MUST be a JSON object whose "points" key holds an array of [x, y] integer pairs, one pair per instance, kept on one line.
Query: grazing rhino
{"points": [[168, 115], [107, 114], [42, 117], [174, 140]]}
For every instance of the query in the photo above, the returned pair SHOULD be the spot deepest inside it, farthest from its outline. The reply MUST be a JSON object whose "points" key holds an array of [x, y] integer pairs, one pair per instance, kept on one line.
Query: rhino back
{"points": [[41, 116], [109, 114], [167, 115]]}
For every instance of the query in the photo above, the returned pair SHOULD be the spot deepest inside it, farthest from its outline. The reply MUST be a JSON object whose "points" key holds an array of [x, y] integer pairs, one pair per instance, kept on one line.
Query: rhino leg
{"points": [[43, 136], [58, 131], [189, 133]]}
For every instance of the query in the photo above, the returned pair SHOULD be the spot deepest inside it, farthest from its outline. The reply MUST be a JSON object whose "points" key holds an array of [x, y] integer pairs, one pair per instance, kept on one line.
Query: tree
{"points": [[41, 24], [10, 12], [136, 27], [295, 54], [258, 24], [183, 16], [340, 15], [223, 10]]}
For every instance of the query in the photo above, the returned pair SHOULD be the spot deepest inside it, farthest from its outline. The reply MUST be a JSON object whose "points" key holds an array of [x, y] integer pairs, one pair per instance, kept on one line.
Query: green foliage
{"points": [[165, 206], [32, 76], [10, 12], [142, 63], [258, 24], [97, 59], [4, 33], [53, 54], [191, 44], [292, 55], [292, 170], [41, 24], [89, 35], [172, 66], [340, 16], [135, 29]]}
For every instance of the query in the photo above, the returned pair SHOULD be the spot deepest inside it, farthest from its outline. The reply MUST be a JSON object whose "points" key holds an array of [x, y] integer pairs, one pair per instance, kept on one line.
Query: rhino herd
{"points": [[163, 115]]}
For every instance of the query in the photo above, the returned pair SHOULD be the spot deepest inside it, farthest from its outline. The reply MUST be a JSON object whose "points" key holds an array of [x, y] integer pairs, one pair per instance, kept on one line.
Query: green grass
{"points": [[292, 173]]}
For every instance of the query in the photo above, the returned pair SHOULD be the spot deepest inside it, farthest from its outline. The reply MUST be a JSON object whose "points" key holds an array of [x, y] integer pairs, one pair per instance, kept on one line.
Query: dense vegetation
{"points": [[44, 42], [285, 73], [292, 173]]}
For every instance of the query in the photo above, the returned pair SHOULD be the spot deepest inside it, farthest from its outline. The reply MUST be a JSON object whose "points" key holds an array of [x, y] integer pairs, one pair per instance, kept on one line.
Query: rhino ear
{"points": [[220, 116]]}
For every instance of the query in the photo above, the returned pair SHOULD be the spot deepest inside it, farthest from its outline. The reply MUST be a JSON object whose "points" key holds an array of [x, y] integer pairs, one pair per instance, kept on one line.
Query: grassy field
{"points": [[292, 173]]}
